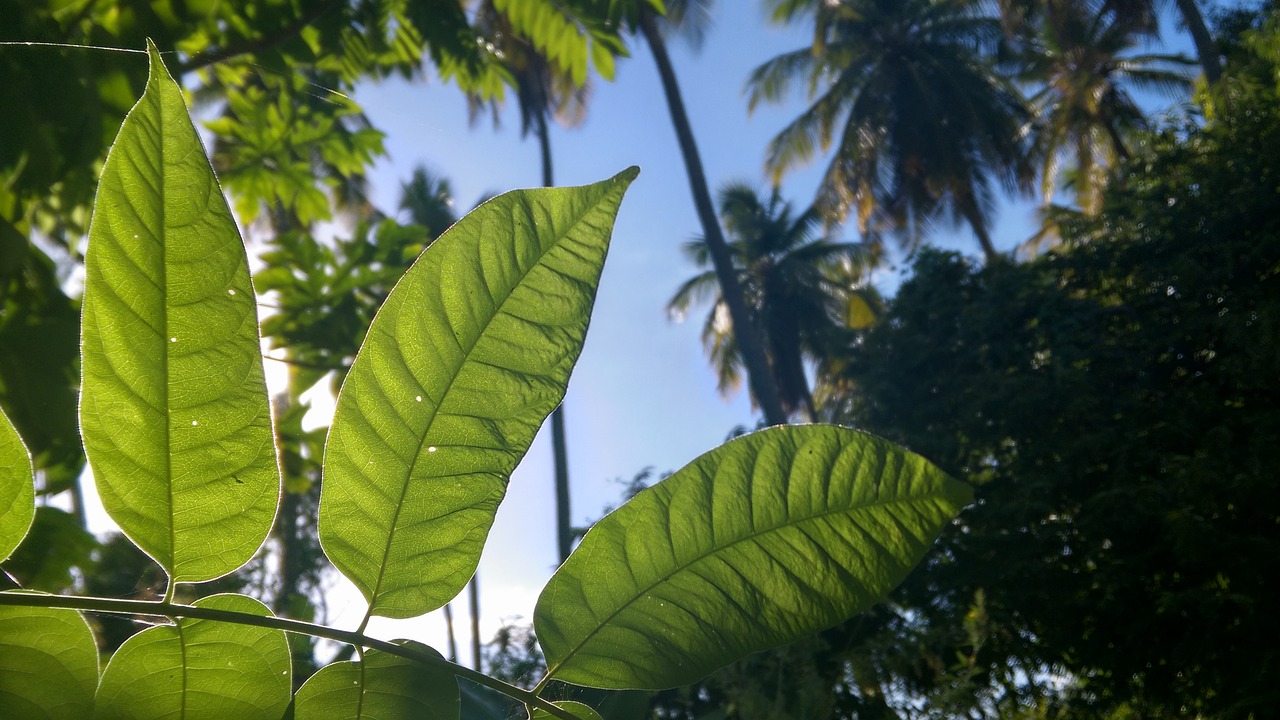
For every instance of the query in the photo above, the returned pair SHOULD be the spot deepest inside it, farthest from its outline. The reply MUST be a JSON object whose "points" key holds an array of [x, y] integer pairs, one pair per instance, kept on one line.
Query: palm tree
{"points": [[799, 285], [1145, 12], [428, 200], [1083, 61], [1142, 16], [752, 353], [543, 92], [906, 94]]}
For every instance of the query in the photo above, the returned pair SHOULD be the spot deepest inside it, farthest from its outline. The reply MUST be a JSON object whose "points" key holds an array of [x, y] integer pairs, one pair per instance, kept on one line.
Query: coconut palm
{"points": [[543, 92], [800, 285], [693, 15], [906, 97], [1083, 62], [428, 200]]}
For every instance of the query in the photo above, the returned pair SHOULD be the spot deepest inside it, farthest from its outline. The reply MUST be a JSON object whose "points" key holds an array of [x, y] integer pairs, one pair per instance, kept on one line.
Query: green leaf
{"points": [[763, 540], [174, 409], [467, 356], [200, 669], [576, 709], [48, 664], [55, 545], [383, 686], [17, 489]]}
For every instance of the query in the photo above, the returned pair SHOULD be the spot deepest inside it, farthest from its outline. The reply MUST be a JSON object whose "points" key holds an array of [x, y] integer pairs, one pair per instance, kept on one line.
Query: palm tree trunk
{"points": [[758, 373], [451, 638], [474, 593], [1206, 47], [559, 450]]}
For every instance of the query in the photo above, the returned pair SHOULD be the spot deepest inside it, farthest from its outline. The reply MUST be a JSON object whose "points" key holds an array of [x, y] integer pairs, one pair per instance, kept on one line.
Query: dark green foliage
{"points": [[1117, 405]]}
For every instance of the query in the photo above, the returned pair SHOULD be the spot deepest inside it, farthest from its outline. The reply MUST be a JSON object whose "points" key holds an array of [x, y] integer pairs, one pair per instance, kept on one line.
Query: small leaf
{"points": [[200, 669], [383, 686], [763, 540], [576, 709], [174, 409], [465, 359], [17, 489], [48, 664]]}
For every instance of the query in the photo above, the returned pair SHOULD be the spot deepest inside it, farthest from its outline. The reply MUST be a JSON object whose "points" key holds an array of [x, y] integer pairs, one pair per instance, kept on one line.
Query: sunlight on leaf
{"points": [[17, 489], [174, 409], [200, 669], [384, 686], [465, 359], [48, 664], [766, 539], [576, 709]]}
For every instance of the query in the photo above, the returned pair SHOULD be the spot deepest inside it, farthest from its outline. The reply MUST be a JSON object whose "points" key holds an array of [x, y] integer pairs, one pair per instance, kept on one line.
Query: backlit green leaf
{"points": [[768, 538], [383, 686], [17, 488], [465, 359], [48, 664], [576, 709], [200, 669], [174, 407]]}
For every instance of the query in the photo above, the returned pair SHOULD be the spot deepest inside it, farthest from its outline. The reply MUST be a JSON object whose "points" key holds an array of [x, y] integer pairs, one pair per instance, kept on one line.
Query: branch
{"points": [[176, 610], [217, 55]]}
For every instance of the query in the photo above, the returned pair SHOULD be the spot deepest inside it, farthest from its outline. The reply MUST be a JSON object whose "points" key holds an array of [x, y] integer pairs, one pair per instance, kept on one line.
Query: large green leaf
{"points": [[199, 669], [465, 359], [174, 409], [48, 664], [383, 686], [763, 540], [17, 489]]}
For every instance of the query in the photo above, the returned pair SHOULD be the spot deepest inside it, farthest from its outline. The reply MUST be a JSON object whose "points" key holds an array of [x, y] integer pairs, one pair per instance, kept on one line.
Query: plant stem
{"points": [[358, 639]]}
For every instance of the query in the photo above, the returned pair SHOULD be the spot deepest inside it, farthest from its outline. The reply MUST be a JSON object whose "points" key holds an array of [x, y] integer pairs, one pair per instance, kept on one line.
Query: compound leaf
{"points": [[48, 663], [383, 686], [465, 359], [174, 410], [17, 489], [200, 669], [763, 540]]}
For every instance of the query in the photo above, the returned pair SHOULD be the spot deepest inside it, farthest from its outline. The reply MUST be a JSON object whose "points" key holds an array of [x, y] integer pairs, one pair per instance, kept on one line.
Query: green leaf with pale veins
{"points": [[465, 359], [763, 540], [48, 664], [17, 489], [174, 408], [382, 687], [200, 669], [576, 709]]}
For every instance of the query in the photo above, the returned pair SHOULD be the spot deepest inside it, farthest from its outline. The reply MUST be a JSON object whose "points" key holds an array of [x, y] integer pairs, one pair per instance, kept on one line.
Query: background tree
{"points": [[1080, 65], [799, 283], [908, 96], [1113, 402], [544, 91]]}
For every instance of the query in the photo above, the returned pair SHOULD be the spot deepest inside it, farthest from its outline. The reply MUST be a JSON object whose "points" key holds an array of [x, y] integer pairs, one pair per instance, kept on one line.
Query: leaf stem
{"points": [[358, 639]]}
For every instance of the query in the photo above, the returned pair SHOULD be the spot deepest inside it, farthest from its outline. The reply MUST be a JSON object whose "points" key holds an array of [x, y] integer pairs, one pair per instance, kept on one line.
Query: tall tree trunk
{"points": [[759, 375], [474, 592], [451, 638], [1206, 47], [559, 451]]}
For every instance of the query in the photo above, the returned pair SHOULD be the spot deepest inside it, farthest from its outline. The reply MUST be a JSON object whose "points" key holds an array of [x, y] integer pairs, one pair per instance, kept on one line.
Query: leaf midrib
{"points": [[422, 442], [551, 671]]}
